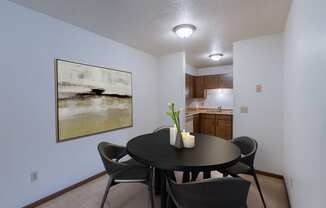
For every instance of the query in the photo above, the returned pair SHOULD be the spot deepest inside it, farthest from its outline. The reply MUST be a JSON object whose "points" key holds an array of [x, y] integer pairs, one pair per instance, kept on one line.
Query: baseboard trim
{"points": [[59, 193], [287, 193], [269, 174]]}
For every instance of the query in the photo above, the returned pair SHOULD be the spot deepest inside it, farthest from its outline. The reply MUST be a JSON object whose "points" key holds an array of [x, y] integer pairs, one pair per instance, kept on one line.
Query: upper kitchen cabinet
{"points": [[211, 82], [196, 86], [199, 87], [226, 81], [190, 90]]}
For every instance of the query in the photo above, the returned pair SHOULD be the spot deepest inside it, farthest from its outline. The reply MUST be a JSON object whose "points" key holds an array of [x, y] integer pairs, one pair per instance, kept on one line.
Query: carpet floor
{"points": [[136, 195]]}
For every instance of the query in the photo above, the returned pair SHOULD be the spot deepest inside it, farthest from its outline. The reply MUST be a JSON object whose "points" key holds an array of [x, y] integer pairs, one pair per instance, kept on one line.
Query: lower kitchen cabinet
{"points": [[224, 126], [207, 124], [215, 125], [196, 123]]}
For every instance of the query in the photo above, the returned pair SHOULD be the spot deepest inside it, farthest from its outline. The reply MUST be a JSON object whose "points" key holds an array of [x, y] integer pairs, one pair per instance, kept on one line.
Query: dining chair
{"points": [[248, 147], [209, 193], [123, 172]]}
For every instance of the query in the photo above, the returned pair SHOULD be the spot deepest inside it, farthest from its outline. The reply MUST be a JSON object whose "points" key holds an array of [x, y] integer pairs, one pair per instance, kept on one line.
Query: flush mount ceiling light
{"points": [[184, 30], [216, 56]]}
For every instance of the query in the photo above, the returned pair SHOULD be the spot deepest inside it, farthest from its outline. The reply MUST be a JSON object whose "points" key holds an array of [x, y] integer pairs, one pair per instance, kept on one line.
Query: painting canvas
{"points": [[91, 99]]}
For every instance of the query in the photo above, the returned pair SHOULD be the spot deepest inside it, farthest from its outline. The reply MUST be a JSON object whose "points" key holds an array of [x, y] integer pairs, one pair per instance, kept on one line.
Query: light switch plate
{"points": [[243, 109]]}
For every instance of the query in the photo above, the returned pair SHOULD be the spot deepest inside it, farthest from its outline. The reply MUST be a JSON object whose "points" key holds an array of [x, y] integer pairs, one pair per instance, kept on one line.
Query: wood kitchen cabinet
{"points": [[207, 124], [199, 91], [216, 125], [223, 126], [196, 124], [226, 81], [190, 86], [196, 86], [211, 82]]}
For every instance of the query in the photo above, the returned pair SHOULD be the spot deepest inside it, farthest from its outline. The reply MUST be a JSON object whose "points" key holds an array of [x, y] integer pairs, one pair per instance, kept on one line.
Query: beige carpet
{"points": [[135, 195]]}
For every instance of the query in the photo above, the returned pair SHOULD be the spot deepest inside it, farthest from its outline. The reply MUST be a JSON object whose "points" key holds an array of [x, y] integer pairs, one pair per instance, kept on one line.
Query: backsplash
{"points": [[215, 98]]}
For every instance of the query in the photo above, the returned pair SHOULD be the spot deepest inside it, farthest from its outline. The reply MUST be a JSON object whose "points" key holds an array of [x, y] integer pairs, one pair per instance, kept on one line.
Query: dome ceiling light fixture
{"points": [[184, 30], [216, 56]]}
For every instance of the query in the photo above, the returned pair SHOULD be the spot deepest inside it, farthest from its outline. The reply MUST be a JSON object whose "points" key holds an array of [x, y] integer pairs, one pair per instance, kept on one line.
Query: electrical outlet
{"points": [[34, 176]]}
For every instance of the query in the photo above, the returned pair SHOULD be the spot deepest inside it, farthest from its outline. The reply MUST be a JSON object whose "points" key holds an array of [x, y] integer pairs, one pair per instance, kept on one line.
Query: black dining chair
{"points": [[209, 193], [123, 172], [248, 147]]}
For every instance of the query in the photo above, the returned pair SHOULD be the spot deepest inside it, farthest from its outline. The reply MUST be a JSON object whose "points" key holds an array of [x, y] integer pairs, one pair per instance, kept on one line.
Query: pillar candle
{"points": [[189, 141], [173, 134]]}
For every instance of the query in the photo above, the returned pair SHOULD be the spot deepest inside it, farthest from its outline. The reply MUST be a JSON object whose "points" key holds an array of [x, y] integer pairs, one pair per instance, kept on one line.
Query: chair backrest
{"points": [[110, 153], [248, 147], [210, 193], [162, 128]]}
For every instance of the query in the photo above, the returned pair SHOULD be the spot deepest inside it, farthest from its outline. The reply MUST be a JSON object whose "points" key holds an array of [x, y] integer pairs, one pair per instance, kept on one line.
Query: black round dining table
{"points": [[209, 153]]}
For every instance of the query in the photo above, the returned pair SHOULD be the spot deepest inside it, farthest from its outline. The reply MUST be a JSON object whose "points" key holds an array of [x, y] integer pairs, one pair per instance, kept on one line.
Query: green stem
{"points": [[176, 120]]}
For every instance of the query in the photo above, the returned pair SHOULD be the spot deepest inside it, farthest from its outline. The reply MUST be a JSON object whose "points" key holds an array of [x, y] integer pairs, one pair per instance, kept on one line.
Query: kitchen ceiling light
{"points": [[216, 56], [184, 30]]}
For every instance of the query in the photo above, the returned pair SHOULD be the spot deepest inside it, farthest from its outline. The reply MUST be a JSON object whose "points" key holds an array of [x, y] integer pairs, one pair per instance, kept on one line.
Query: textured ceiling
{"points": [[147, 24]]}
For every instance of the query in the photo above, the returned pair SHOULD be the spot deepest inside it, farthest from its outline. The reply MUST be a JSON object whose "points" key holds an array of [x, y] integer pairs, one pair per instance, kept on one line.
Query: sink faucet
{"points": [[219, 108]]}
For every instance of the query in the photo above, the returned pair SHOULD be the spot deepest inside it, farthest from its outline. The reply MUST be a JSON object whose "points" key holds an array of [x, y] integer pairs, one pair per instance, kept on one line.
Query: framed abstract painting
{"points": [[91, 99]]}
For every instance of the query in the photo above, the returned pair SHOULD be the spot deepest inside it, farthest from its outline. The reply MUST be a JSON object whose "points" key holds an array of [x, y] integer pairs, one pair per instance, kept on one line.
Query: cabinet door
{"points": [[189, 86], [196, 124], [211, 82], [207, 124], [226, 81], [224, 126], [199, 87]]}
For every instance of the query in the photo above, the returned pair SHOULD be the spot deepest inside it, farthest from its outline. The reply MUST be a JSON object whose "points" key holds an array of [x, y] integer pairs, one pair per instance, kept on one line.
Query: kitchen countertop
{"points": [[193, 111]]}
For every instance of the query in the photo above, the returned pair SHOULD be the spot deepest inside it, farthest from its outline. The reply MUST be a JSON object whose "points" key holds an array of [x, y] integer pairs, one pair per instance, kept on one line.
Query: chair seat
{"points": [[239, 168], [133, 162], [133, 174]]}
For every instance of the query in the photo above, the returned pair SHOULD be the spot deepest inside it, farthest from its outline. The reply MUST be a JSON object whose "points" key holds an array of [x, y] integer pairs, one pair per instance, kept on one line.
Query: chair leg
{"points": [[194, 175], [185, 177], [150, 189], [106, 191], [157, 181], [207, 174], [259, 189]]}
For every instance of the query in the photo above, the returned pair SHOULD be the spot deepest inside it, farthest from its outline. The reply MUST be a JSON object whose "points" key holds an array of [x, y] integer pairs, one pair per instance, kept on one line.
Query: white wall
{"points": [[305, 104], [191, 70], [171, 80], [29, 44], [260, 61], [215, 70]]}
